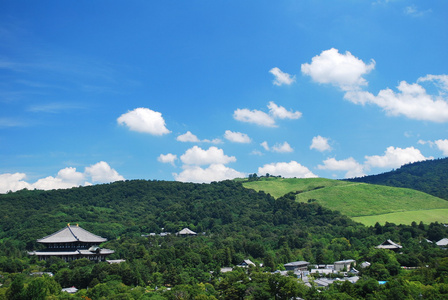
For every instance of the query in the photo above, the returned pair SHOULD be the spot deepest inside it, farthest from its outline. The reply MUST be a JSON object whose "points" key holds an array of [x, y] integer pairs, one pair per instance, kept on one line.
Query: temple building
{"points": [[72, 242]]}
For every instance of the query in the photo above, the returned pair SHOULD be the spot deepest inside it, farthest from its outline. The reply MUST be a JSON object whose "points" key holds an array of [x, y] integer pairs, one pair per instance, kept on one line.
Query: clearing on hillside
{"points": [[360, 201]]}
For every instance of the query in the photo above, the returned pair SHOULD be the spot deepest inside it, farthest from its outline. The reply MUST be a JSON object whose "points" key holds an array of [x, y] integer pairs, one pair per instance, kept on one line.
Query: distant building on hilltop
{"points": [[72, 242]]}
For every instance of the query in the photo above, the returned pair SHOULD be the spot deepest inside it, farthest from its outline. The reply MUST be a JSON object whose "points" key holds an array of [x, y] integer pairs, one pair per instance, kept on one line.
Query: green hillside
{"points": [[358, 199], [429, 176], [233, 223], [278, 187]]}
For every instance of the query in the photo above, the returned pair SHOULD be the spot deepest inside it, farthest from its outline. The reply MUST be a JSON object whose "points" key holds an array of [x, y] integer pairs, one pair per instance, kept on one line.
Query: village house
{"points": [[297, 266], [344, 264]]}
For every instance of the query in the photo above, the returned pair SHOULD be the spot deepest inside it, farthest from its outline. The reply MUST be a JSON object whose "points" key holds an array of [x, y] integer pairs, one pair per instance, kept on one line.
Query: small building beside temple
{"points": [[389, 245], [296, 266], [72, 242]]}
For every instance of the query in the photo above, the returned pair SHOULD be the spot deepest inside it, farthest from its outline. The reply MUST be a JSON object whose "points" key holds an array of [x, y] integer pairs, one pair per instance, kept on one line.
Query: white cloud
{"points": [[395, 157], [342, 70], [256, 152], [167, 158], [237, 137], [66, 178], [215, 172], [254, 116], [13, 182], [214, 141], [422, 142], [265, 146], [188, 137], [198, 156], [411, 101], [282, 148], [350, 165], [281, 78], [320, 144], [287, 170], [144, 120], [102, 173], [281, 112], [263, 119], [440, 81], [443, 146]]}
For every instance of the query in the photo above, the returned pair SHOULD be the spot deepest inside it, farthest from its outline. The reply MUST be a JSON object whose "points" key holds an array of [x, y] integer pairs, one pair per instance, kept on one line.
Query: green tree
{"points": [[42, 287]]}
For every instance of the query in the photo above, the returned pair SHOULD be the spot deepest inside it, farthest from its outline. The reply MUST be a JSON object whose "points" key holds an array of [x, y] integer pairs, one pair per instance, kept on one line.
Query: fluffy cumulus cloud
{"points": [[237, 137], [349, 165], [281, 78], [395, 157], [188, 137], [443, 146], [261, 118], [13, 182], [66, 178], [287, 170], [167, 158], [102, 173], [320, 144], [411, 101], [214, 172], [144, 120], [199, 156], [282, 113], [342, 70]]}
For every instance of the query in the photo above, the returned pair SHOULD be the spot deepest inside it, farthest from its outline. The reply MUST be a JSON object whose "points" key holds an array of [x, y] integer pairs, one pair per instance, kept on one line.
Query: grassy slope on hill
{"points": [[359, 199], [429, 176], [407, 217], [278, 187]]}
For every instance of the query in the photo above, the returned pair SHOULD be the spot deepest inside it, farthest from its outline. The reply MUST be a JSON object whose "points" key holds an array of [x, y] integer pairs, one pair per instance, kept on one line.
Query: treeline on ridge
{"points": [[429, 176]]}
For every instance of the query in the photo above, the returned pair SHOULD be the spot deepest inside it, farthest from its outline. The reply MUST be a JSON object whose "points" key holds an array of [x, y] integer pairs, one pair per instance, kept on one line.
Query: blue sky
{"points": [[199, 91]]}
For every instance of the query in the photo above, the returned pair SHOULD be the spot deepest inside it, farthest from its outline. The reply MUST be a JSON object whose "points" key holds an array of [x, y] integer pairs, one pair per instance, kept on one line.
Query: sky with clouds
{"points": [[199, 91]]}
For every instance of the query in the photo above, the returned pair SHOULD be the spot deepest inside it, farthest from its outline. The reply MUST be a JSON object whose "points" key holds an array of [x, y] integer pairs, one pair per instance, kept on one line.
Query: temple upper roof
{"points": [[70, 234]]}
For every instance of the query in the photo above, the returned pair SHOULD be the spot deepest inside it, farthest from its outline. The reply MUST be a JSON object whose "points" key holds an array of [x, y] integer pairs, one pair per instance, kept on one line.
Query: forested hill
{"points": [[140, 207], [430, 176]]}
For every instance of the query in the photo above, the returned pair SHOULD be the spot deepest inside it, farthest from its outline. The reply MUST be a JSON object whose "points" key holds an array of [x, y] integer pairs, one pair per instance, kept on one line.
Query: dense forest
{"points": [[429, 176], [234, 224]]}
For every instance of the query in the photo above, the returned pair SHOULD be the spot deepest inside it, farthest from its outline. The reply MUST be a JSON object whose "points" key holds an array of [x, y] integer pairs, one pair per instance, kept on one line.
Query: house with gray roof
{"points": [[388, 244], [296, 265], [72, 242]]}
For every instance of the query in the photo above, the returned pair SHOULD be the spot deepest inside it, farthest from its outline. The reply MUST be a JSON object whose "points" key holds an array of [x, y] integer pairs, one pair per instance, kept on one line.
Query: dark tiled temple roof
{"points": [[72, 234]]}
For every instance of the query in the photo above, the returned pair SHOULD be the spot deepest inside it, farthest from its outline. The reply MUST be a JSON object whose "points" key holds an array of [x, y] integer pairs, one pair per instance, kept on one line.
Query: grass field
{"points": [[425, 216], [365, 203], [278, 187]]}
